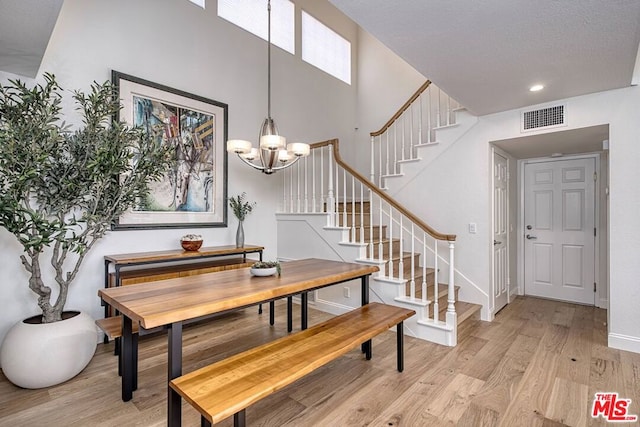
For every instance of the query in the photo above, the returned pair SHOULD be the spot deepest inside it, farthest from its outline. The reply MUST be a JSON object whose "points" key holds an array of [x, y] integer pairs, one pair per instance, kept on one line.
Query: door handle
{"points": [[530, 237], [495, 242]]}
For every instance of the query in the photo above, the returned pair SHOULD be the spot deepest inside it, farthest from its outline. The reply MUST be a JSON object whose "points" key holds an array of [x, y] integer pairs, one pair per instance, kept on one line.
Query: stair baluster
{"points": [[409, 261]]}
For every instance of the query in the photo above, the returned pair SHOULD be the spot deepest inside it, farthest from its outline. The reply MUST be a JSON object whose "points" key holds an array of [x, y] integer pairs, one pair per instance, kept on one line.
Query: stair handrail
{"points": [[417, 221], [402, 109]]}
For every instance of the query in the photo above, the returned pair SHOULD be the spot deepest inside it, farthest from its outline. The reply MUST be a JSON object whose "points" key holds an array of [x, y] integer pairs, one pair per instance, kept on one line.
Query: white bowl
{"points": [[263, 271]]}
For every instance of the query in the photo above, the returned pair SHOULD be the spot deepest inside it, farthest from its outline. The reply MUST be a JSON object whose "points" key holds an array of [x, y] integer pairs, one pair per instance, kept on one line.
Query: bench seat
{"points": [[112, 327], [229, 386]]}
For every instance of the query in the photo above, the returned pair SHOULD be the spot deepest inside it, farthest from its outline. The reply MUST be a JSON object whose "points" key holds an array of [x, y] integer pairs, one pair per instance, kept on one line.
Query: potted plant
{"points": [[241, 208], [60, 191], [266, 268]]}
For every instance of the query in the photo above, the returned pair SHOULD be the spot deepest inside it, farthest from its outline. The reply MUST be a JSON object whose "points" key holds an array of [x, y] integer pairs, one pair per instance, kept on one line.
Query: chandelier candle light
{"points": [[272, 146]]}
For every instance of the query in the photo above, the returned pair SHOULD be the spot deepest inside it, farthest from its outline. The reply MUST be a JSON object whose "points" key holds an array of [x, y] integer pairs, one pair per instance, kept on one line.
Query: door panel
{"points": [[500, 232], [559, 203]]}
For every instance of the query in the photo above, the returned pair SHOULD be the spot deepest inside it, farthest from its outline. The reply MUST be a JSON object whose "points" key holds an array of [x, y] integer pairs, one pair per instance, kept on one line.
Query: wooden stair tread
{"points": [[226, 387], [466, 310]]}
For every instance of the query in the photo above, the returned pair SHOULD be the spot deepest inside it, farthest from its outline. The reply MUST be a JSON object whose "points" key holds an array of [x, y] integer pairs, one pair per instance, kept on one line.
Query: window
{"points": [[251, 15], [324, 48]]}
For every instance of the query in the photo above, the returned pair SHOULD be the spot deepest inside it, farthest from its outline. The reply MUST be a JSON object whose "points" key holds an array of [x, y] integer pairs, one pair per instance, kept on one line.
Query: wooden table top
{"points": [[180, 254], [163, 302]]}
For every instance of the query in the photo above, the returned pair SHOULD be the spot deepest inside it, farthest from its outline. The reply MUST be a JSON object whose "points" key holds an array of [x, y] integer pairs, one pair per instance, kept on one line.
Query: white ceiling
{"points": [[487, 53], [25, 28]]}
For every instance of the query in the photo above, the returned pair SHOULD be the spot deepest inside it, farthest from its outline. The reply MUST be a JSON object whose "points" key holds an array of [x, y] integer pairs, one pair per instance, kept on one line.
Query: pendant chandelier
{"points": [[273, 151]]}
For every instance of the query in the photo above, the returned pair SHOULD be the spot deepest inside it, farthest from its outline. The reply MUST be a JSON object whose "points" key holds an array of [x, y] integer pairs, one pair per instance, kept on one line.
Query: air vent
{"points": [[543, 118]]}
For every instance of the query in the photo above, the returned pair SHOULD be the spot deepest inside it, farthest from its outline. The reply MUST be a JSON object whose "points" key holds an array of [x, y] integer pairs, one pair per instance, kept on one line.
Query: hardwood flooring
{"points": [[539, 363]]}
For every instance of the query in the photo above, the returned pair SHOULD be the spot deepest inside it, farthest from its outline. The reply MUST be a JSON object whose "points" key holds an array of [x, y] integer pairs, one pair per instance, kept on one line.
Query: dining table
{"points": [[172, 302]]}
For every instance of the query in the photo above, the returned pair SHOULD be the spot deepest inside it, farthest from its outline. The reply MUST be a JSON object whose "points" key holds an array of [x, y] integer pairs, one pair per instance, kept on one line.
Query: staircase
{"points": [[411, 268], [329, 210]]}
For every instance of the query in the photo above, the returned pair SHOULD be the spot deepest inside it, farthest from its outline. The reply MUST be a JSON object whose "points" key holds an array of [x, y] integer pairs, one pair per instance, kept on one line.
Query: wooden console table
{"points": [[120, 261]]}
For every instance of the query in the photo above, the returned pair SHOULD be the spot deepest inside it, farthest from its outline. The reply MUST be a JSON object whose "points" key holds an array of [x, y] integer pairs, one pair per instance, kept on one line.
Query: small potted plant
{"points": [[266, 268], [60, 191], [241, 208]]}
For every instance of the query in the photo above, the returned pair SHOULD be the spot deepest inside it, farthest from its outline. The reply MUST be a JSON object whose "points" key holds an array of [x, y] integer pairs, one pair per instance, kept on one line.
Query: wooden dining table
{"points": [[169, 303]]}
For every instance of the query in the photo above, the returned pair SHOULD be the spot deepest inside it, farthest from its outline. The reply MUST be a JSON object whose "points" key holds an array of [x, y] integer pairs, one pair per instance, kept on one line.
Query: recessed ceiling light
{"points": [[536, 88]]}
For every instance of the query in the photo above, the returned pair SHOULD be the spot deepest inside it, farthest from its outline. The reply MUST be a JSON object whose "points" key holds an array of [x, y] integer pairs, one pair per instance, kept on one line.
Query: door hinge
{"points": [[595, 176], [594, 231], [594, 286]]}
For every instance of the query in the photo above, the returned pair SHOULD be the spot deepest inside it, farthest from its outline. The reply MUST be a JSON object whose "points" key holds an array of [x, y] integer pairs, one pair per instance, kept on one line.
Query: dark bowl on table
{"points": [[191, 245]]}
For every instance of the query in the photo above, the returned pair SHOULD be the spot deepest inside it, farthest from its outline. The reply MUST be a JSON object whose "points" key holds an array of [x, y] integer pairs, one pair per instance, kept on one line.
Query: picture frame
{"points": [[193, 193]]}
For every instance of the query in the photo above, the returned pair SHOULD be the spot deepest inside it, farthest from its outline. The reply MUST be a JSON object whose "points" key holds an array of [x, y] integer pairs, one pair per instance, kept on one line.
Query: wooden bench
{"points": [[112, 328], [231, 385]]}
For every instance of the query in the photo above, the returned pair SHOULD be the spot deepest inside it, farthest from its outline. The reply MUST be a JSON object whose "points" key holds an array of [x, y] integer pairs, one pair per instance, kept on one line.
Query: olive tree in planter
{"points": [[60, 191]]}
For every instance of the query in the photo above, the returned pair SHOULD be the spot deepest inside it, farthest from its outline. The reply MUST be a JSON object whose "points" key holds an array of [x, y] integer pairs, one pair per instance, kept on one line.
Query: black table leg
{"points": [[239, 419], [289, 314], [364, 286], [400, 339], [174, 413], [304, 310], [105, 340], [272, 313], [364, 296], [127, 359], [204, 422], [134, 356]]}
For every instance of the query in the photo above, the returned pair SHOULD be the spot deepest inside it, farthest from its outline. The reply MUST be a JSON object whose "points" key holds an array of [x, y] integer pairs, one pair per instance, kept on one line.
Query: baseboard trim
{"points": [[624, 342]]}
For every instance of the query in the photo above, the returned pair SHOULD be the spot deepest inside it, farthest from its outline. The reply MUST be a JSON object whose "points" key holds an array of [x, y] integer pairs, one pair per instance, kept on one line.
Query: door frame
{"points": [[492, 303], [520, 227]]}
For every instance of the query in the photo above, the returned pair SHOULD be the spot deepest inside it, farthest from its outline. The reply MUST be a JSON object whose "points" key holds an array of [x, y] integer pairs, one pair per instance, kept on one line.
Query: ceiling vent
{"points": [[544, 118]]}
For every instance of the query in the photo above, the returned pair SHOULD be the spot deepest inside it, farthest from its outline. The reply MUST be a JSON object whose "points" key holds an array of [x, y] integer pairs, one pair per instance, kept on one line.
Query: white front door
{"points": [[559, 220], [500, 237]]}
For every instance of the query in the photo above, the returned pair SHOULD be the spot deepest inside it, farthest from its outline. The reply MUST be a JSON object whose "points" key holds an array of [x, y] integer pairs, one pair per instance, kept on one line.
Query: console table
{"points": [[175, 255], [120, 261]]}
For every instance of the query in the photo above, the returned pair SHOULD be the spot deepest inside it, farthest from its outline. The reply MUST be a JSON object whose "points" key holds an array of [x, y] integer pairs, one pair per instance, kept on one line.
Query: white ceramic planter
{"points": [[42, 355]]}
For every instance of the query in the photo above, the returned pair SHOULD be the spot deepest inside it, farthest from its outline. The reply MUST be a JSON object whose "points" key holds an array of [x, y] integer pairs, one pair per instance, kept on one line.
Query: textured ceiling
{"points": [[487, 53]]}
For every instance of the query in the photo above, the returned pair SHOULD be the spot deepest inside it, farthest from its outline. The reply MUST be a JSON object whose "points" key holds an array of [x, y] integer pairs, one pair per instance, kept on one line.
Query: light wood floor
{"points": [[538, 364]]}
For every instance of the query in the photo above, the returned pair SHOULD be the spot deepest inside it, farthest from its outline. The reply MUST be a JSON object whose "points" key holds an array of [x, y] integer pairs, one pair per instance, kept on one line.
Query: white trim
{"points": [[602, 303], [520, 229], [624, 342]]}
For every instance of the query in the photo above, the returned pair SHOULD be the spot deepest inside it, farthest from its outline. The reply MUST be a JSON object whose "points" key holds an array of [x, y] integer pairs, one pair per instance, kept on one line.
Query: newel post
{"points": [[452, 317]]}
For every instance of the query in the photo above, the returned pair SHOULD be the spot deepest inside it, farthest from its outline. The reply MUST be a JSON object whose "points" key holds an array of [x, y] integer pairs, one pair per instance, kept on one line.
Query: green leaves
{"points": [[241, 207], [67, 186]]}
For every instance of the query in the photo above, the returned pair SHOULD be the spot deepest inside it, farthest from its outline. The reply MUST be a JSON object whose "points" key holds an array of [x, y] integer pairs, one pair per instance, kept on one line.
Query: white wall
{"points": [[175, 43], [384, 84], [455, 190]]}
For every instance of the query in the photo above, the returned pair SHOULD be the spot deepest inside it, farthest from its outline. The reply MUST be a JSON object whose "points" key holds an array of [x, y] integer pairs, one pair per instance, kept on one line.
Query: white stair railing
{"points": [[414, 125], [411, 254]]}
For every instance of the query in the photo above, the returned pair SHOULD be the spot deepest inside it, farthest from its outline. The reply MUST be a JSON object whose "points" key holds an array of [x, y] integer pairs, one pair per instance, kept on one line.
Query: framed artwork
{"points": [[193, 192]]}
